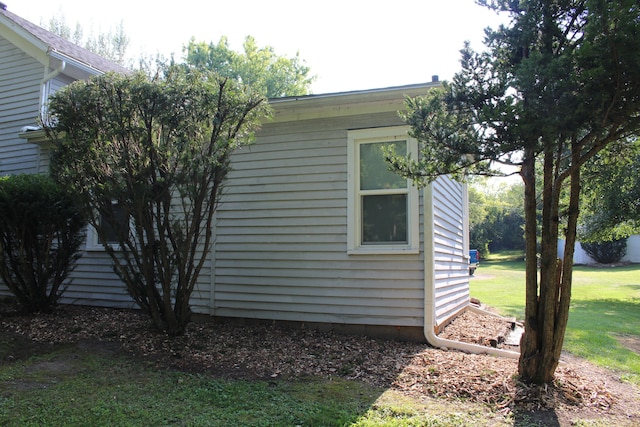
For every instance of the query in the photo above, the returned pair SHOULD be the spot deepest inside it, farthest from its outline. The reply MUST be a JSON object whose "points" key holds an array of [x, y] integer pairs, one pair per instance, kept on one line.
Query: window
{"points": [[111, 229], [383, 206]]}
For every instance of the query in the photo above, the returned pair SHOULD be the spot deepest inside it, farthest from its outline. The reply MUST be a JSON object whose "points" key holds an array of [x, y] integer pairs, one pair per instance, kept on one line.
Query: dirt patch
{"points": [[265, 351], [52, 366], [630, 342]]}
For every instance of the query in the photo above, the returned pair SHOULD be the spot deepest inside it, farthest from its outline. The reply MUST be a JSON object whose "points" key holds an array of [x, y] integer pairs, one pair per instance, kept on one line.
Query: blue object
{"points": [[474, 261]]}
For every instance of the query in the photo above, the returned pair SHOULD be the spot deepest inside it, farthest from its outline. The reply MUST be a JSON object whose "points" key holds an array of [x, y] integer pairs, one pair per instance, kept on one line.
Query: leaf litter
{"points": [[269, 351]]}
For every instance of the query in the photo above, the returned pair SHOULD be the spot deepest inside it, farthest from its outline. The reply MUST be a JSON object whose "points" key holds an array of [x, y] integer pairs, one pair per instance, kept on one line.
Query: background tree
{"points": [[496, 216], [556, 86], [610, 205], [260, 67], [112, 44], [606, 252], [41, 232], [155, 152], [479, 232]]}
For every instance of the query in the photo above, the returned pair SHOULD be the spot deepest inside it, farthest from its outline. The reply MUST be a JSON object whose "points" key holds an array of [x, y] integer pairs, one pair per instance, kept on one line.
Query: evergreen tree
{"points": [[556, 86]]}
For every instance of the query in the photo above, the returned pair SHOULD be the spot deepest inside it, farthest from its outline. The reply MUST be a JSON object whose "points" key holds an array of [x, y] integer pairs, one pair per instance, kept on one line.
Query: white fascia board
{"points": [[83, 68], [24, 40], [345, 103]]}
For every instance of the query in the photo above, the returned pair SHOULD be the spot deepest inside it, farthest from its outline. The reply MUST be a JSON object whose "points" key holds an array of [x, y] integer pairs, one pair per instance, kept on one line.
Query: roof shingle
{"points": [[65, 47]]}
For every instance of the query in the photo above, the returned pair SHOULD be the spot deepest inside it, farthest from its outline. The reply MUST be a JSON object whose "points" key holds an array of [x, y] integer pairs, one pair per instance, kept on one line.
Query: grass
{"points": [[605, 308], [58, 389], [66, 386]]}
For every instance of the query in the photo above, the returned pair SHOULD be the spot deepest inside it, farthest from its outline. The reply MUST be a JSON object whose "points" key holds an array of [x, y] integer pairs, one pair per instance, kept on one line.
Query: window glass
{"points": [[111, 229], [384, 219], [374, 170]]}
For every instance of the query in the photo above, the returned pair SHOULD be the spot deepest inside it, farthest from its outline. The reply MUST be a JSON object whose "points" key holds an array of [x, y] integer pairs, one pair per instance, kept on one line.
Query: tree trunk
{"points": [[537, 363], [529, 342], [547, 302]]}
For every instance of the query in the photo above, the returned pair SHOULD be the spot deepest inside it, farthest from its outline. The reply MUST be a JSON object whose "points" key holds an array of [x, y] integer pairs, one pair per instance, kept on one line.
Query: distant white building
{"points": [[581, 257]]}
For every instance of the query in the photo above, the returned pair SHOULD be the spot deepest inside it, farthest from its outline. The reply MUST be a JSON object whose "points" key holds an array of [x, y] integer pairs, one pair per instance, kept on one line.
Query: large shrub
{"points": [[606, 252], [149, 158], [41, 230]]}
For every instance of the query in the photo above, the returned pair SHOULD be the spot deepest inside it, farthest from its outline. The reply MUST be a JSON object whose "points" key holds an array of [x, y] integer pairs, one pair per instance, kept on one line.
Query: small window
{"points": [[383, 206], [111, 229]]}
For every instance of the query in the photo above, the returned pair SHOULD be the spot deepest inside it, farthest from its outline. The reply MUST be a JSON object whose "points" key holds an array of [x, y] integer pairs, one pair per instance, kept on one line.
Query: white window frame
{"points": [[354, 200]]}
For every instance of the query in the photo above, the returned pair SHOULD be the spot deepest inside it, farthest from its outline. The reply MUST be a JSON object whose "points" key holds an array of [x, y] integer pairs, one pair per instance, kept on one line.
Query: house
{"points": [[34, 63], [312, 227]]}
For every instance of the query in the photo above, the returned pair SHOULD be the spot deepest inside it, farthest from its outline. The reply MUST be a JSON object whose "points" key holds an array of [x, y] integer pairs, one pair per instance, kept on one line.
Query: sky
{"points": [[348, 44]]}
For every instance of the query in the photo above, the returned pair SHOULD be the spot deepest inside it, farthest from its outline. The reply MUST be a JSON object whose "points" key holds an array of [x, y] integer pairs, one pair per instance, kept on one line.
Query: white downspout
{"points": [[44, 84], [430, 291]]}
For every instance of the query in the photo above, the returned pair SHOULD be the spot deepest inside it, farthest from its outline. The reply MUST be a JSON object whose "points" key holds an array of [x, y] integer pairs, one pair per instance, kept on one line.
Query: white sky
{"points": [[349, 44]]}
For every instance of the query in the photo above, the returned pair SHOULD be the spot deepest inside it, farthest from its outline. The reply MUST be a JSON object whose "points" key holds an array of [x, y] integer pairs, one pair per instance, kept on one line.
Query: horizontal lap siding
{"points": [[94, 282], [20, 77], [450, 264], [281, 235]]}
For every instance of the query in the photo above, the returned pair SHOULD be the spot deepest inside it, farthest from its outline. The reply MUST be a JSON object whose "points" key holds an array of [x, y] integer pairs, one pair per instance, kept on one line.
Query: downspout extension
{"points": [[429, 292], [436, 341]]}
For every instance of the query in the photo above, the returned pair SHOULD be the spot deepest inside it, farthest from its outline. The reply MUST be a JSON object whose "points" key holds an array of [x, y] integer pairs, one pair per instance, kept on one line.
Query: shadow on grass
{"points": [[85, 383], [78, 384], [99, 383], [546, 418], [510, 266]]}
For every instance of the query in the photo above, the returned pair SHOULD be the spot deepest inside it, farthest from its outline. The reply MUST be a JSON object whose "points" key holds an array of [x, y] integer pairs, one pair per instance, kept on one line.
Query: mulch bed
{"points": [[265, 351]]}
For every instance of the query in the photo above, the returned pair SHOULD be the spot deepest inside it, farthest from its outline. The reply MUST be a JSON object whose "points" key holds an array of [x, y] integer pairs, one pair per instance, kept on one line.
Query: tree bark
{"points": [[529, 344], [547, 304]]}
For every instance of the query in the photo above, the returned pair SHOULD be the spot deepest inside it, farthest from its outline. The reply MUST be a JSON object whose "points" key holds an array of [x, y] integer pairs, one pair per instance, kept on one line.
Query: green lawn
{"points": [[63, 386], [605, 309], [98, 391]]}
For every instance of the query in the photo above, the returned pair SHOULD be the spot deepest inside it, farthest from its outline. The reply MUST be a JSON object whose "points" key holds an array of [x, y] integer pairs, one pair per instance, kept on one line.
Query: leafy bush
{"points": [[606, 252], [150, 157], [41, 230]]}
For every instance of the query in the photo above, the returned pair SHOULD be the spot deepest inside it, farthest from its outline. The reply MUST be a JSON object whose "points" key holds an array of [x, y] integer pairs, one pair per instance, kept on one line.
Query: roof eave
{"points": [[24, 40], [86, 68], [369, 101]]}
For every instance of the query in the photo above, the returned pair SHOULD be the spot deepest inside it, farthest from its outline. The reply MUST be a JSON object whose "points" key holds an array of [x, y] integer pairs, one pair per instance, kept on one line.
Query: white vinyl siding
{"points": [[20, 77], [450, 262], [281, 248], [93, 281]]}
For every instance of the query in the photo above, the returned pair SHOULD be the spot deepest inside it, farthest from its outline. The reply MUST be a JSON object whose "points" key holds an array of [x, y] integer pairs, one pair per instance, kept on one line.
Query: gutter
{"points": [[87, 68], [430, 293]]}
